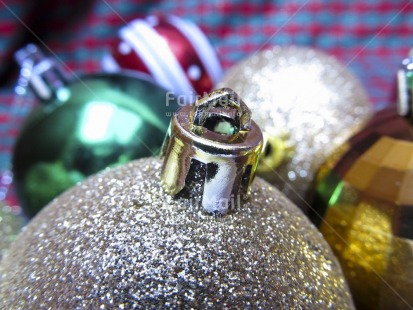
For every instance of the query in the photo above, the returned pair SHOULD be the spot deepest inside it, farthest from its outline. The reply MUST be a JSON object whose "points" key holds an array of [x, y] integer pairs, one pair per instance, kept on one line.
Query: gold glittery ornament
{"points": [[120, 241], [365, 197], [307, 104]]}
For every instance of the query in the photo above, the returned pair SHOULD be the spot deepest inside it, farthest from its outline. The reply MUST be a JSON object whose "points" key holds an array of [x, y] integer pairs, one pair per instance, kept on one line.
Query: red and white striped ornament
{"points": [[175, 52]]}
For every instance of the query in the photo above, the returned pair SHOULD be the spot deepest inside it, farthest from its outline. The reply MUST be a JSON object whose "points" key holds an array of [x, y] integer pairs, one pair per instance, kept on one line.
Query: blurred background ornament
{"points": [[364, 205], [22, 102], [83, 125], [306, 103], [174, 51], [119, 240], [11, 222]]}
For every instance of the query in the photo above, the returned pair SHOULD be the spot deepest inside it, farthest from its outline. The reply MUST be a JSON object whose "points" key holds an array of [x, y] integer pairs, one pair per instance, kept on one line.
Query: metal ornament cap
{"points": [[218, 132], [405, 88], [47, 77]]}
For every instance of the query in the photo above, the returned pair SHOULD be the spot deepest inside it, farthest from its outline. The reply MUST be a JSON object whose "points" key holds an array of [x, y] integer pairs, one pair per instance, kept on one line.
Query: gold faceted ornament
{"points": [[365, 200], [192, 231], [307, 103], [368, 223]]}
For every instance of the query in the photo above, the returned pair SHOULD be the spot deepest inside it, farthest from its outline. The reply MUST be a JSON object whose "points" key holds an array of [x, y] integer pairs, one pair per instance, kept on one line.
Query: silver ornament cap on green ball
{"points": [[191, 231]]}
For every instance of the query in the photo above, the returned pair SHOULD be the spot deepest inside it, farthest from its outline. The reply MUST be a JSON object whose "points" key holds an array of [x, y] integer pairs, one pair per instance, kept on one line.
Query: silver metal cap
{"points": [[218, 132], [47, 77]]}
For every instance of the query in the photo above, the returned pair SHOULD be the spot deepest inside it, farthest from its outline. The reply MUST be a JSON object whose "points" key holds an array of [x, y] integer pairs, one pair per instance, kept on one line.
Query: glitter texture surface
{"points": [[308, 99], [10, 225], [118, 241]]}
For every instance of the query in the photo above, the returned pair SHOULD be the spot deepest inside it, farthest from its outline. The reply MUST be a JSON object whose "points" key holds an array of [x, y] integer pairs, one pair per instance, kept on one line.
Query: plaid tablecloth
{"points": [[370, 36]]}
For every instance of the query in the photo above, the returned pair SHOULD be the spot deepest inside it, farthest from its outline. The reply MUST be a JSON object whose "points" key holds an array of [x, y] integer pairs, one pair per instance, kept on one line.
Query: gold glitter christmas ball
{"points": [[192, 231], [307, 103], [118, 240]]}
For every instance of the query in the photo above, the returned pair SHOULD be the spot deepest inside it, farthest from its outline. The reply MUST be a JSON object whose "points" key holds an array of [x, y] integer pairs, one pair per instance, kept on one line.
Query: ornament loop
{"points": [[223, 105], [219, 133]]}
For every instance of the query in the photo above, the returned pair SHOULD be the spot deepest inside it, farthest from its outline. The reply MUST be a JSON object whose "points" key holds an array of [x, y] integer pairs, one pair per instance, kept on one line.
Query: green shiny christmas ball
{"points": [[90, 124]]}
